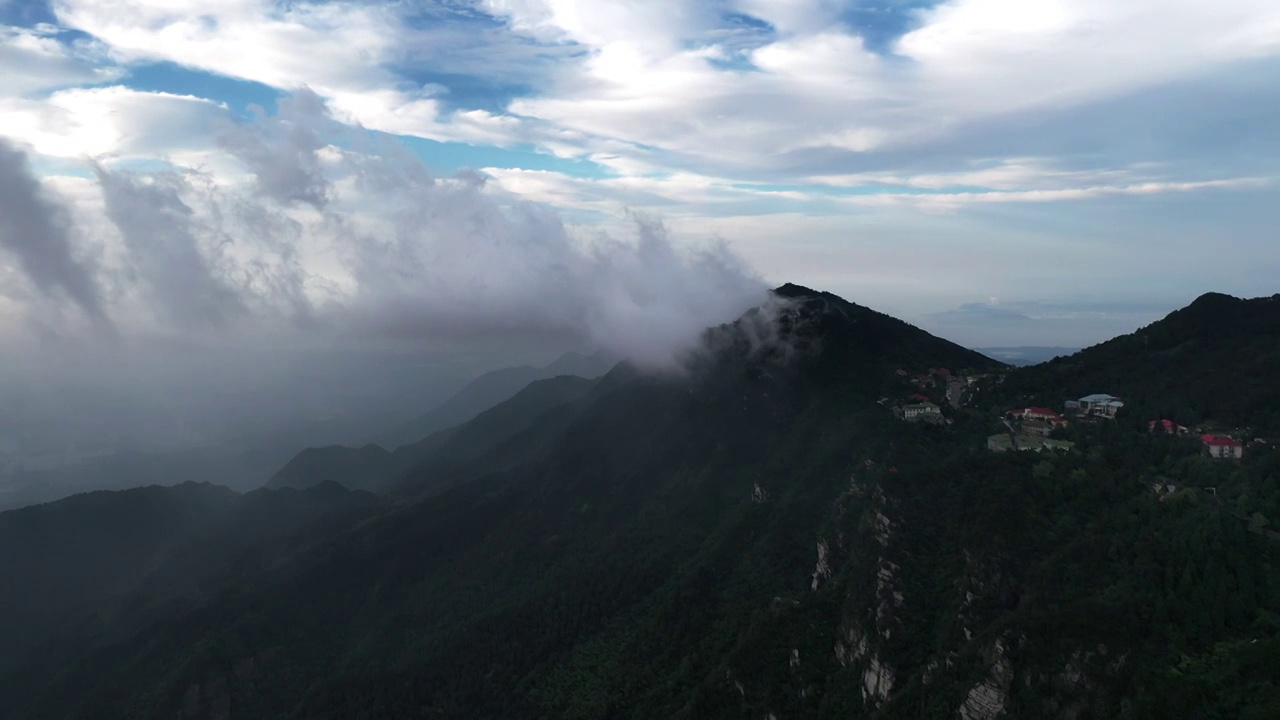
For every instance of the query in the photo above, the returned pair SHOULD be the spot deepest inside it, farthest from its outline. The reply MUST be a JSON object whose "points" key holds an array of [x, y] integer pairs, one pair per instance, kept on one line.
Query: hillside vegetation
{"points": [[756, 536], [1216, 360]]}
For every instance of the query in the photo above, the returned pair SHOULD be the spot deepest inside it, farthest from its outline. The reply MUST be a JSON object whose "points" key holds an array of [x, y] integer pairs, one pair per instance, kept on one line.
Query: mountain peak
{"points": [[1214, 301], [791, 290], [837, 341]]}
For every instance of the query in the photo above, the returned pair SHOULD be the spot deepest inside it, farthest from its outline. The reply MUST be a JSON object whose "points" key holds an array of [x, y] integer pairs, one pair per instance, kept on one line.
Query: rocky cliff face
{"points": [[867, 555], [987, 699]]}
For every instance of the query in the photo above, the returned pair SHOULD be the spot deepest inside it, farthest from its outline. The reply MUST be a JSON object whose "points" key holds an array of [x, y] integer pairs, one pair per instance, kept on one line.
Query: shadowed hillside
{"points": [[756, 535], [1217, 359], [87, 553]]}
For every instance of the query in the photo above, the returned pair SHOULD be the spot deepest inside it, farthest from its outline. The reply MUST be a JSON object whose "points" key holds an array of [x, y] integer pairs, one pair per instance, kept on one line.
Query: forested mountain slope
{"points": [[754, 536], [436, 459], [89, 553], [1217, 359]]}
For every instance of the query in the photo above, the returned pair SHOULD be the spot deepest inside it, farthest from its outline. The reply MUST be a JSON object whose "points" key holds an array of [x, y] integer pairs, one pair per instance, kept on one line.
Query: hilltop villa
{"points": [[1223, 447], [925, 411], [1099, 404]]}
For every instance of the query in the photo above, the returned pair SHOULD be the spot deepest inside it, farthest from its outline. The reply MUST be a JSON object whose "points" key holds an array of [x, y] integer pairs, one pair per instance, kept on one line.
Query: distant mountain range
{"points": [[755, 535], [242, 469], [1026, 355]]}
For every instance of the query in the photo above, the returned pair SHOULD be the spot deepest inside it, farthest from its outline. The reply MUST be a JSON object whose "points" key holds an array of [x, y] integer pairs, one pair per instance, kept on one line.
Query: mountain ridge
{"points": [[374, 468], [757, 534], [1217, 359], [489, 389]]}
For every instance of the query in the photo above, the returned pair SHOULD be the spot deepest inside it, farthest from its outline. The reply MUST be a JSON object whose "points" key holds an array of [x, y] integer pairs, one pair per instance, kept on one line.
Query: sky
{"points": [[618, 174]]}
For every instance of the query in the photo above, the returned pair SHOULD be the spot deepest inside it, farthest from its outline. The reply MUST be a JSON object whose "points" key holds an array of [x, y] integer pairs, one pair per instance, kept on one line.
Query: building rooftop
{"points": [[1098, 398], [921, 406]]}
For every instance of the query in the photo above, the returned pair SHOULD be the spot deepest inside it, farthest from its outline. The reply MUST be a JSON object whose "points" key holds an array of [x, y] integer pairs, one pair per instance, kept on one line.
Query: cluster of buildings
{"points": [[1031, 427], [1106, 406], [927, 379], [921, 407], [1223, 447], [1042, 421], [1036, 420]]}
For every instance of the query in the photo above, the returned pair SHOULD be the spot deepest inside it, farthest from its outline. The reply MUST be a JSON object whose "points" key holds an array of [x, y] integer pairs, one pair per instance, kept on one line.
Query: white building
{"points": [[1100, 404]]}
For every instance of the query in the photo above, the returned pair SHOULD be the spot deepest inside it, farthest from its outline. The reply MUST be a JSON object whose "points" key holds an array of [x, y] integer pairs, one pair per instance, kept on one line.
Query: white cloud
{"points": [[655, 27], [1002, 174], [817, 87], [341, 50], [793, 16], [644, 83], [345, 51], [996, 56], [32, 62], [674, 195], [329, 46], [318, 235], [111, 121], [700, 120], [947, 202]]}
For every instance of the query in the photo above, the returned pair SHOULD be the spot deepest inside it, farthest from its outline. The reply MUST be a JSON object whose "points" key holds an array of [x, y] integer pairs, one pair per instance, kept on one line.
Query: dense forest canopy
{"points": [[759, 536], [1214, 361]]}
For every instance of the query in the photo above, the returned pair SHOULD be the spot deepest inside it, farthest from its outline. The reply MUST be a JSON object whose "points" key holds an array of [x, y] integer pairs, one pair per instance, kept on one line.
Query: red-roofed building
{"points": [[1221, 446], [1037, 413], [919, 398], [1037, 420], [1168, 426]]}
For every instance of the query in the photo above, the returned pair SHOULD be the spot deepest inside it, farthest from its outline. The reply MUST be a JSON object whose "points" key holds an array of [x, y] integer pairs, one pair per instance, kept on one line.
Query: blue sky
{"points": [[1002, 172]]}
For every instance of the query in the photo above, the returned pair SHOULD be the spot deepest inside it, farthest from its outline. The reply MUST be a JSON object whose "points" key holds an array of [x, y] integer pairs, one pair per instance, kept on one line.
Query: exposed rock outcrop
{"points": [[822, 570], [987, 699]]}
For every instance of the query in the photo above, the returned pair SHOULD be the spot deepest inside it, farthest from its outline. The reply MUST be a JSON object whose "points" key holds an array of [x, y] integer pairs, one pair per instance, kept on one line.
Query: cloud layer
{"points": [[36, 232], [833, 124], [222, 219], [318, 236]]}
